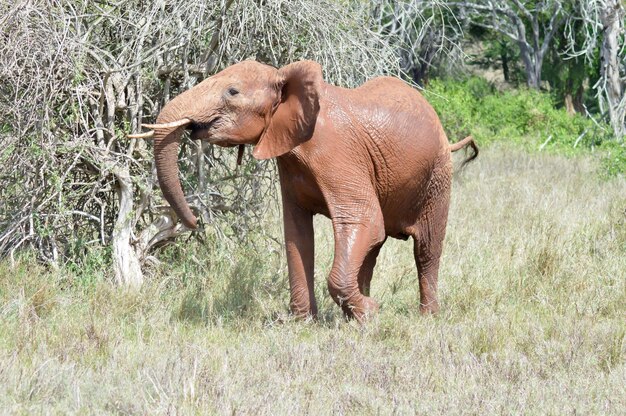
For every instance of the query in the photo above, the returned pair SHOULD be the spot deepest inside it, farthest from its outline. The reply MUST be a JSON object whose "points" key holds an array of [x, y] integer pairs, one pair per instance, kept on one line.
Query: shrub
{"points": [[525, 117]]}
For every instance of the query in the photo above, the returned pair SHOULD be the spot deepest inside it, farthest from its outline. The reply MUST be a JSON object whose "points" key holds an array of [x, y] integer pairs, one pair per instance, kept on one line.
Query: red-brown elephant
{"points": [[374, 159]]}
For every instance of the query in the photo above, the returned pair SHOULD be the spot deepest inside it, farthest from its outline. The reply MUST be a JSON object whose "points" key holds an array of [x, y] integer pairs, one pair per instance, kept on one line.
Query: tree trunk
{"points": [[532, 65], [579, 100], [574, 96], [504, 57], [533, 79], [611, 87], [569, 99], [569, 104], [125, 261]]}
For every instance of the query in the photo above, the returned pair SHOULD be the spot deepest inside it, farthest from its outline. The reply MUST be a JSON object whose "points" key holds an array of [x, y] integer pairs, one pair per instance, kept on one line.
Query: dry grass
{"points": [[533, 296]]}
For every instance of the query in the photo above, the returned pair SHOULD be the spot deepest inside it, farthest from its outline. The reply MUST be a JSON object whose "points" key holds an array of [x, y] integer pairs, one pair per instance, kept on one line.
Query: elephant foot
{"points": [[366, 309], [304, 313], [304, 316], [429, 309]]}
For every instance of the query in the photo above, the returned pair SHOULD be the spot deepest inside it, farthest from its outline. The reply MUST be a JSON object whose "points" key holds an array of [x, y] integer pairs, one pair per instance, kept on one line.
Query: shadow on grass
{"points": [[247, 292]]}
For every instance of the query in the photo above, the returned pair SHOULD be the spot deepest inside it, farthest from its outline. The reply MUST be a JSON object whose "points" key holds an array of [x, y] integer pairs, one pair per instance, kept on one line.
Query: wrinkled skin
{"points": [[375, 160]]}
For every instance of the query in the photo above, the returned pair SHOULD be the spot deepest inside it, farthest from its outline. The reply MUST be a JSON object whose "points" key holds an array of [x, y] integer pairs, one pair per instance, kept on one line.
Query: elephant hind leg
{"points": [[427, 262], [428, 234]]}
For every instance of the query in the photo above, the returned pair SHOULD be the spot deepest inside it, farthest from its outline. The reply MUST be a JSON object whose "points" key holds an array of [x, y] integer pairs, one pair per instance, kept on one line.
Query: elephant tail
{"points": [[469, 140]]}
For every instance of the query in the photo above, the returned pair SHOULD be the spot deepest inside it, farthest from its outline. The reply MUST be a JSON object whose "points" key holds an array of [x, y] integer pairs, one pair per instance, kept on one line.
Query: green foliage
{"points": [[88, 264], [614, 161], [523, 116]]}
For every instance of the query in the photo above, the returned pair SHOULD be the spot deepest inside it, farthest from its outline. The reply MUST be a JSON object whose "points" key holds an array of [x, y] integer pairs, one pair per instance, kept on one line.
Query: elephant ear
{"points": [[293, 122]]}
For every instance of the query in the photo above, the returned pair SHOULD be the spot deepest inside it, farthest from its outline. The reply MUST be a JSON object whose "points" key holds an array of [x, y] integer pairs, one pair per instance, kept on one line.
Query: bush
{"points": [[525, 117], [614, 161], [77, 76]]}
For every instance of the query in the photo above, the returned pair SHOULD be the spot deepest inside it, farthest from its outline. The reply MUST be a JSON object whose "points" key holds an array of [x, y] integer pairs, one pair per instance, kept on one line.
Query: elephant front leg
{"points": [[299, 244], [354, 246]]}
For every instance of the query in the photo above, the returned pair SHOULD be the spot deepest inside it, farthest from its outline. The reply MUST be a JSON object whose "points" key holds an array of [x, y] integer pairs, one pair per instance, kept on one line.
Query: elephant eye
{"points": [[233, 91]]}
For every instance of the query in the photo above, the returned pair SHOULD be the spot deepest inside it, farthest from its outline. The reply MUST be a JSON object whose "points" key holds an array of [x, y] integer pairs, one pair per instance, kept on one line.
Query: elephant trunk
{"points": [[166, 143]]}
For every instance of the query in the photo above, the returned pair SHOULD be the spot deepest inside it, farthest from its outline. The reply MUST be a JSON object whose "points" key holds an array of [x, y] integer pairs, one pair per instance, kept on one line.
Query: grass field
{"points": [[532, 321]]}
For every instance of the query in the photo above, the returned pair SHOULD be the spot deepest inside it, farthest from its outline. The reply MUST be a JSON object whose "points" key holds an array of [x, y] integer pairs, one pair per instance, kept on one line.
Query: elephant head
{"points": [[247, 103]]}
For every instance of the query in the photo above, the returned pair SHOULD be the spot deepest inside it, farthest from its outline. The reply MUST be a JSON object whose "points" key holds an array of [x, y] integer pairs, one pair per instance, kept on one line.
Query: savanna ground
{"points": [[532, 289]]}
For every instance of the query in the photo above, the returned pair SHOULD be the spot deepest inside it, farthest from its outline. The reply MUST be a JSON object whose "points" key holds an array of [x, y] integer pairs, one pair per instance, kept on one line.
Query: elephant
{"points": [[374, 159]]}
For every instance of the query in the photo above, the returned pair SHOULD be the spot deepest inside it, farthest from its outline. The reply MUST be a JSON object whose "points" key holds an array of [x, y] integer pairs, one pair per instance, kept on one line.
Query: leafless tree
{"points": [[420, 32], [530, 24], [76, 76], [603, 27]]}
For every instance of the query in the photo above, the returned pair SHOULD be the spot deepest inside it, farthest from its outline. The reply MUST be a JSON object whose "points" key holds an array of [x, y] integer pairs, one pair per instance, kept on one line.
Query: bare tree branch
{"points": [[77, 75], [533, 44]]}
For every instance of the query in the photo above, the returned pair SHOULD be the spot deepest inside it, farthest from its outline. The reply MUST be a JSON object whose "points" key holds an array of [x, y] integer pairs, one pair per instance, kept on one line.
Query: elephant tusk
{"points": [[177, 123], [146, 135]]}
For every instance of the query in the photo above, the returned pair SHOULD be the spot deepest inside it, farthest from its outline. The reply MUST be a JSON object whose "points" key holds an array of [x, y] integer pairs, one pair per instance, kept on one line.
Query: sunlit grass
{"points": [[532, 321]]}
